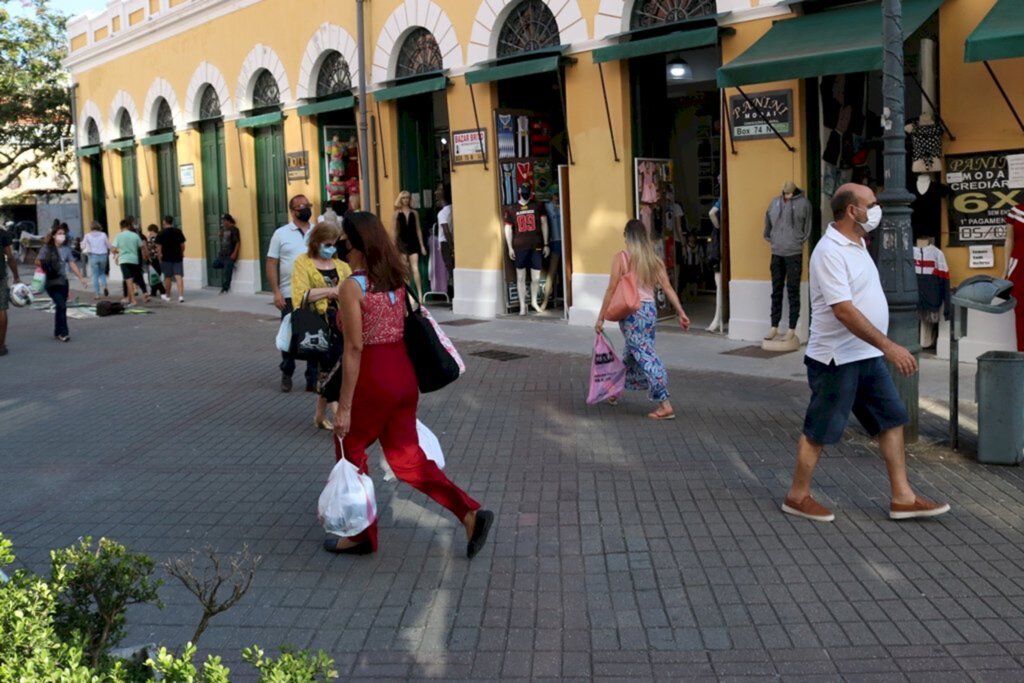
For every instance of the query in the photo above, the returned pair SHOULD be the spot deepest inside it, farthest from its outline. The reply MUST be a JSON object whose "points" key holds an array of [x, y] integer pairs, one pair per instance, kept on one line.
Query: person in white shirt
{"points": [[97, 246], [286, 244], [846, 357]]}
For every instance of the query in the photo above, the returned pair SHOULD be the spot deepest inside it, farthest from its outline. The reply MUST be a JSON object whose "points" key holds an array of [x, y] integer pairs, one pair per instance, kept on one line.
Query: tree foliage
{"points": [[35, 105]]}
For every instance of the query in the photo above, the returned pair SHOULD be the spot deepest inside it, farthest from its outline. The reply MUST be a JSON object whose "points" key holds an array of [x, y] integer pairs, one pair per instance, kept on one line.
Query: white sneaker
{"points": [[164, 297], [181, 299]]}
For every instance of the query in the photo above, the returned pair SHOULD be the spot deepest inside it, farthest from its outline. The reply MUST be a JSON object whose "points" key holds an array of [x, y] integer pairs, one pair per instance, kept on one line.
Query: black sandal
{"points": [[331, 546], [484, 519]]}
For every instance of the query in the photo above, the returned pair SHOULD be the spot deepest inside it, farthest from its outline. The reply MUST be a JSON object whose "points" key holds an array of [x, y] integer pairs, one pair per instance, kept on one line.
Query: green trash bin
{"points": [[999, 393]]}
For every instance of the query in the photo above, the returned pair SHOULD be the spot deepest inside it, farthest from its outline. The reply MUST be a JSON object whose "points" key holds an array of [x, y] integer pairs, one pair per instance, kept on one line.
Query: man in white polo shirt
{"points": [[286, 244], [846, 357]]}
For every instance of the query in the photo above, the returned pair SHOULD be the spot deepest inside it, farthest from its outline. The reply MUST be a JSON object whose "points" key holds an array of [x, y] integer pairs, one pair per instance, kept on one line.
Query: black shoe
{"points": [[331, 546], [63, 338], [286, 383], [484, 520], [311, 388], [3, 350]]}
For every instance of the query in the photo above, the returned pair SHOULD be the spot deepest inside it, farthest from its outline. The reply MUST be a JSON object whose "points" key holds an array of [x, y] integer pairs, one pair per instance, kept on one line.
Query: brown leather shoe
{"points": [[920, 508], [808, 508]]}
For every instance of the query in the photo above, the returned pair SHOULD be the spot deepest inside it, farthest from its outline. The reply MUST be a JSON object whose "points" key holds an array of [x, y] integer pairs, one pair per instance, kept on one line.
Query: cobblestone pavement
{"points": [[622, 548]]}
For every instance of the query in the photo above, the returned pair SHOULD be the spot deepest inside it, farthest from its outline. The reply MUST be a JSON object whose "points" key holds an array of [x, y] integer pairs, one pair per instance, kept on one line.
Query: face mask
{"points": [[327, 252], [304, 214], [524, 194], [874, 219], [59, 239]]}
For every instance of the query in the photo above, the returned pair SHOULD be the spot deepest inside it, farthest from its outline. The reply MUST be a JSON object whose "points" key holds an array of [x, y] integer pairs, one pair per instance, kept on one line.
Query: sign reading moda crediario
{"points": [[747, 115], [468, 146], [980, 197]]}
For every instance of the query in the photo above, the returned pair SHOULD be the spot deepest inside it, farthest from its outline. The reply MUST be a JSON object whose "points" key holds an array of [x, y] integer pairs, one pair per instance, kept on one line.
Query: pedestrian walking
{"points": [[138, 278], [286, 244], [230, 245], [170, 244], [152, 254], [96, 247], [7, 260], [845, 360], [56, 259], [127, 248], [378, 388], [644, 369], [316, 277]]}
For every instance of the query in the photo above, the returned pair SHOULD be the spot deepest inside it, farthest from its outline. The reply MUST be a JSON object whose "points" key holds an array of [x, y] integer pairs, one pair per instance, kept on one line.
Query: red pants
{"points": [[384, 408]]}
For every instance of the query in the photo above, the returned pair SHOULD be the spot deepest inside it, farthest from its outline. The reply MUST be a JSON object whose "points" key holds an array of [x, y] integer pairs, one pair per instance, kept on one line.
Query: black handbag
{"points": [[434, 366], [311, 334]]}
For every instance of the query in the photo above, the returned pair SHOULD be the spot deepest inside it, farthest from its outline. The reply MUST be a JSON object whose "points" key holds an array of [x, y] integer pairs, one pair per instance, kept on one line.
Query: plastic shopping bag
{"points": [[38, 281], [284, 334], [347, 504], [607, 372], [430, 445]]}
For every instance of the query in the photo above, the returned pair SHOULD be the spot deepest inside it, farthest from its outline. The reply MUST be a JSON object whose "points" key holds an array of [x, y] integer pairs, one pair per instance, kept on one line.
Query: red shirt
{"points": [[525, 222]]}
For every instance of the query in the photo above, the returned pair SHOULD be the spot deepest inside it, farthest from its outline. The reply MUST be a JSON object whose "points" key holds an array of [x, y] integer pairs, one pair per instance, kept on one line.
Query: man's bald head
{"points": [[851, 194]]}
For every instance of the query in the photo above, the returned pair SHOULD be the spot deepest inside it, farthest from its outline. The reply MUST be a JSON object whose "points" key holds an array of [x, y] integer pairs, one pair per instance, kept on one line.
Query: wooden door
{"points": [[99, 190], [129, 183], [167, 181], [564, 197], [215, 193], [271, 189]]}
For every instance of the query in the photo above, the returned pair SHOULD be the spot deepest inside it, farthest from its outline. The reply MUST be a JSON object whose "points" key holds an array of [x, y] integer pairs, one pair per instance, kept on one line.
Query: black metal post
{"points": [[895, 255], [364, 144]]}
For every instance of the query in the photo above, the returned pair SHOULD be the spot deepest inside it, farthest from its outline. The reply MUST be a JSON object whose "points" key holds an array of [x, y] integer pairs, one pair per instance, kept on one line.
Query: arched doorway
{"points": [[166, 162], [338, 137], [213, 164], [98, 188], [271, 185], [125, 144]]}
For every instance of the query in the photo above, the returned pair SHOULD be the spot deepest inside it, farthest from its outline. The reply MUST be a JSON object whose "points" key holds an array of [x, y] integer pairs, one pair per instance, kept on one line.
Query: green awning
{"points": [[1000, 35], [839, 41], [337, 104], [528, 67], [88, 151], [158, 139], [121, 144], [671, 42], [432, 84], [260, 120]]}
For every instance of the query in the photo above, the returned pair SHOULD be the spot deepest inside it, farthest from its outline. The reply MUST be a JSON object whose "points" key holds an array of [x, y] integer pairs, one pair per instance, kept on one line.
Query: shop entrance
{"points": [[677, 166], [130, 182], [167, 180], [271, 189], [532, 145], [99, 190], [215, 193]]}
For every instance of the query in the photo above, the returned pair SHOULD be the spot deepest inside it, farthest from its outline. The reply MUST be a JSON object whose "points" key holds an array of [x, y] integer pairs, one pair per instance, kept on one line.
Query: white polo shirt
{"points": [[842, 270], [285, 245]]}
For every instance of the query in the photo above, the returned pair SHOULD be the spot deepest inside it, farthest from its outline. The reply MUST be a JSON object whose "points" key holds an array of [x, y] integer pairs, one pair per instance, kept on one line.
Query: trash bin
{"points": [[999, 392]]}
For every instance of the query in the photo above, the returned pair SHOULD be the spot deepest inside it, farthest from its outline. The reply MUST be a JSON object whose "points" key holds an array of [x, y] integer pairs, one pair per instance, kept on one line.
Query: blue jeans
{"points": [[59, 294], [98, 267], [229, 270], [287, 365]]}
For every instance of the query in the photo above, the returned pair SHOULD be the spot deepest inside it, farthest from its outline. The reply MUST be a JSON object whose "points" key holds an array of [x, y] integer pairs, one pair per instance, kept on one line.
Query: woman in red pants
{"points": [[378, 388]]}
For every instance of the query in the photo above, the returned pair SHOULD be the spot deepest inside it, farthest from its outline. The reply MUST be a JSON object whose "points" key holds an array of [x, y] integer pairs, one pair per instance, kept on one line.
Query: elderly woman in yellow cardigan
{"points": [[316, 277]]}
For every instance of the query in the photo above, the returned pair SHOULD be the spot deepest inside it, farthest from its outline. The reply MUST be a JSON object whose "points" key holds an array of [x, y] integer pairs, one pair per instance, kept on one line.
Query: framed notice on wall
{"points": [[749, 116], [981, 196], [469, 146]]}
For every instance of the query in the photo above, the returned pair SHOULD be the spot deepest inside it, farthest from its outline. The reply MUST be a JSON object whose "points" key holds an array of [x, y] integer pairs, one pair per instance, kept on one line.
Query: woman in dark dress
{"points": [[56, 259], [409, 238]]}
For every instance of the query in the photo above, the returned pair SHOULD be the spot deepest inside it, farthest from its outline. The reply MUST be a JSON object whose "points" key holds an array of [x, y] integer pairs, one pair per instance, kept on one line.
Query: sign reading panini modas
{"points": [[749, 116], [980, 197]]}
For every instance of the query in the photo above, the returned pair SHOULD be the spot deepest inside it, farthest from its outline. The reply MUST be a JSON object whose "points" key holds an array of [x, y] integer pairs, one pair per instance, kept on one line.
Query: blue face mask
{"points": [[327, 252]]}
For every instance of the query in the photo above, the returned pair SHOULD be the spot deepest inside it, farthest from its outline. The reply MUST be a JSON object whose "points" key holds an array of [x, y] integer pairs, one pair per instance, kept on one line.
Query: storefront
{"points": [[162, 141]]}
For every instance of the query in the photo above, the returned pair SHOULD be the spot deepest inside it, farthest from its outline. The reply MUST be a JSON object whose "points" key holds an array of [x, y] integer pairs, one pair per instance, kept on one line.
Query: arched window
{"points": [[654, 12], [265, 92], [92, 132], [530, 26], [334, 76], [209, 103], [164, 117], [420, 53], [124, 125]]}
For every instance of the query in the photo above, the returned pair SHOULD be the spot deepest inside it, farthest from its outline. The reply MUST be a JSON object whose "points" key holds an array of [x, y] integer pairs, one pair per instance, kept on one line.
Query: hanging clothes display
{"points": [[523, 136], [926, 147], [932, 283], [506, 137]]}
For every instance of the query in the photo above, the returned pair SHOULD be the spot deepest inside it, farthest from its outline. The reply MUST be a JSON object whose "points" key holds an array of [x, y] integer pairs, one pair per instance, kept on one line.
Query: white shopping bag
{"points": [[284, 334], [428, 442], [347, 504]]}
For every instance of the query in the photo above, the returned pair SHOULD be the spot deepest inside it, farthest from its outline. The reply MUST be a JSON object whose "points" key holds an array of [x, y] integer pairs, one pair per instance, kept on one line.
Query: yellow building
{"points": [[205, 107]]}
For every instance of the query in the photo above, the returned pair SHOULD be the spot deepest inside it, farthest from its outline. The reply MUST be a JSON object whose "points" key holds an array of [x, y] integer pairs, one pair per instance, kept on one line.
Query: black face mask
{"points": [[524, 195], [304, 214]]}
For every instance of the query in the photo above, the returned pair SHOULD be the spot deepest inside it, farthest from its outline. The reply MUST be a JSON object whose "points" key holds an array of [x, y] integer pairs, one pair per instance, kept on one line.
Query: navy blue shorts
{"points": [[528, 258], [865, 387]]}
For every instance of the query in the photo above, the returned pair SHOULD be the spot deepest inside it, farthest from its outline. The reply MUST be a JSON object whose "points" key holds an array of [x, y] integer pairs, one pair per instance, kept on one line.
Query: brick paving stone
{"points": [[623, 549]]}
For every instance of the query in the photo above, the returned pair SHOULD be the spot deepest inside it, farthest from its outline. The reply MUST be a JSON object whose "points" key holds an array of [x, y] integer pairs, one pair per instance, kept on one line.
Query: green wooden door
{"points": [[99, 190], [271, 189], [215, 192], [167, 181], [130, 183]]}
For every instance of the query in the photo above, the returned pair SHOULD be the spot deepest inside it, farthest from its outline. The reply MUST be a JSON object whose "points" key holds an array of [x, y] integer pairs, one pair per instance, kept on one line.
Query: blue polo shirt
{"points": [[286, 245]]}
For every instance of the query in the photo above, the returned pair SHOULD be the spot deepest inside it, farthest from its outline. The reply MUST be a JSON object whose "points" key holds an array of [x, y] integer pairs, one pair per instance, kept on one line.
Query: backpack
{"points": [[105, 308]]}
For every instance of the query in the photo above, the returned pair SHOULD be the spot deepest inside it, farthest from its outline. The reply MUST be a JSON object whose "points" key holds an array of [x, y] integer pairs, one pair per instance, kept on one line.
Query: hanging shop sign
{"points": [[187, 175], [468, 146], [981, 196], [298, 165], [750, 116]]}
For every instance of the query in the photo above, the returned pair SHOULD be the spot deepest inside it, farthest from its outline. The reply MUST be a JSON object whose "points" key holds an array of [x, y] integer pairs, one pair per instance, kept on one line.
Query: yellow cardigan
{"points": [[305, 277]]}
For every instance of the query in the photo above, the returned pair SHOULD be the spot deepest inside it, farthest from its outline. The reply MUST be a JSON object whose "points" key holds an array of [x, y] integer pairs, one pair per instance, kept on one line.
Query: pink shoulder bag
{"points": [[626, 297]]}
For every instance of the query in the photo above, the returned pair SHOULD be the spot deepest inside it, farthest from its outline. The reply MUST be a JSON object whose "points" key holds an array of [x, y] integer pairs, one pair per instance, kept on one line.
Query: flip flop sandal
{"points": [[661, 416]]}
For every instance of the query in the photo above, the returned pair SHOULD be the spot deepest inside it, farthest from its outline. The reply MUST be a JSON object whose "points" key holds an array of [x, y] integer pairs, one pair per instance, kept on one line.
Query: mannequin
{"points": [[352, 158], [1015, 265], [715, 257], [787, 225], [932, 287], [926, 143], [526, 244]]}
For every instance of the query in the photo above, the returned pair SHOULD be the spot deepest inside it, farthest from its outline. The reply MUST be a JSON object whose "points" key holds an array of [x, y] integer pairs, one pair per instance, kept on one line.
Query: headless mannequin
{"points": [[716, 325], [525, 199], [798, 207], [928, 330]]}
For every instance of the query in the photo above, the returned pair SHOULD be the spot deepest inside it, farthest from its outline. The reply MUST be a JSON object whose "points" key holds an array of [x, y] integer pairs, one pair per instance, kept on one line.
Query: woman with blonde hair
{"points": [[317, 276], [644, 370], [409, 238]]}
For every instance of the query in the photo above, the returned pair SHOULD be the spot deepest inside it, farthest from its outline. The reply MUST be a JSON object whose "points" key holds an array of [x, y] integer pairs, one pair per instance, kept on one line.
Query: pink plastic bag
{"points": [[607, 373]]}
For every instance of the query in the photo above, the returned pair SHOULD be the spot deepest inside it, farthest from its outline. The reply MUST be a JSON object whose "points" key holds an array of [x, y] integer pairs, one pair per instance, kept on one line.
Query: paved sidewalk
{"points": [[623, 549]]}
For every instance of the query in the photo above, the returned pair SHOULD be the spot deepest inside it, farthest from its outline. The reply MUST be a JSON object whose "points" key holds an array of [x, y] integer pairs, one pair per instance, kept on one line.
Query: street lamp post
{"points": [[364, 164], [895, 255]]}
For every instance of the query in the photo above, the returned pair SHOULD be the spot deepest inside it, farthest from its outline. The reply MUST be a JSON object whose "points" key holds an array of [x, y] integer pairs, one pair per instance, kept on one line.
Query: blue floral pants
{"points": [[644, 370]]}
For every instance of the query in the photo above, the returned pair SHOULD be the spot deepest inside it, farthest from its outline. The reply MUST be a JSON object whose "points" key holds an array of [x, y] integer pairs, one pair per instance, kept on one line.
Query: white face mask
{"points": [[874, 219], [59, 239]]}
